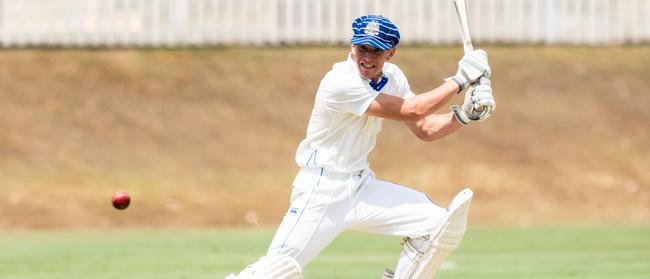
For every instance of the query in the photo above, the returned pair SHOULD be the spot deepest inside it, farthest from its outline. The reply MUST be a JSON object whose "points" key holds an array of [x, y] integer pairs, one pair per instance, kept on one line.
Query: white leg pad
{"points": [[422, 257], [271, 267]]}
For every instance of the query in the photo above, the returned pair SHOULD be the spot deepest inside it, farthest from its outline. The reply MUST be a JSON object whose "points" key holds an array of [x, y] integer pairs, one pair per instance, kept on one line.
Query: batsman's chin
{"points": [[368, 74]]}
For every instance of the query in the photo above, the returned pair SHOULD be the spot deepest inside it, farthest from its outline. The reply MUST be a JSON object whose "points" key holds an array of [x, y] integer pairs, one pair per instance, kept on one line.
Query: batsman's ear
{"points": [[391, 53]]}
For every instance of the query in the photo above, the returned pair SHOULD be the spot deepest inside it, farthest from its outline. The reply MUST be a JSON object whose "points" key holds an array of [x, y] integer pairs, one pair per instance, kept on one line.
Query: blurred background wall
{"points": [[174, 23]]}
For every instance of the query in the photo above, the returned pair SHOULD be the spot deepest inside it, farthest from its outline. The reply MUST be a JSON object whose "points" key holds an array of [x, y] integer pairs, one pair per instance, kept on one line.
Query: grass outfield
{"points": [[621, 252]]}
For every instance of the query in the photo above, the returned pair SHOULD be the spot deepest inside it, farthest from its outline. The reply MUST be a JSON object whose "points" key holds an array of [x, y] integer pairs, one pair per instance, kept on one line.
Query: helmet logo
{"points": [[372, 28]]}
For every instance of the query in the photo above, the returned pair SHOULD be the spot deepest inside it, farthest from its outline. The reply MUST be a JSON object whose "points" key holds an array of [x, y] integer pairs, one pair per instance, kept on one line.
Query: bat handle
{"points": [[468, 47]]}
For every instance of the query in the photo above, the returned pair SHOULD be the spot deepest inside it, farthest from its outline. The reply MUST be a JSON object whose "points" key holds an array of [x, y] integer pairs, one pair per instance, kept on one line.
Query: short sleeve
{"points": [[404, 89], [409, 94], [343, 93]]}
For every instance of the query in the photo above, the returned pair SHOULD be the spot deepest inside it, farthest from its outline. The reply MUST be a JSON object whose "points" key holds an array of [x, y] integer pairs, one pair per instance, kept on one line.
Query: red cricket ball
{"points": [[121, 200]]}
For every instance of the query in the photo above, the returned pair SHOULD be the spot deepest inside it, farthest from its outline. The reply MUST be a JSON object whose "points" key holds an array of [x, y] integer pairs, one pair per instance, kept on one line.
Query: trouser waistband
{"points": [[333, 174]]}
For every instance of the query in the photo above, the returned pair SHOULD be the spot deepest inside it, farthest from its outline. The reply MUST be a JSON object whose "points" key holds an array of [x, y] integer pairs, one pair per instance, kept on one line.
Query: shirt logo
{"points": [[372, 28]]}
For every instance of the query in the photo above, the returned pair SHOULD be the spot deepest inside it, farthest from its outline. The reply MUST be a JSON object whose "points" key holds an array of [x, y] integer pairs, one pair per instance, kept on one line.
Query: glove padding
{"points": [[471, 67], [478, 105], [479, 101]]}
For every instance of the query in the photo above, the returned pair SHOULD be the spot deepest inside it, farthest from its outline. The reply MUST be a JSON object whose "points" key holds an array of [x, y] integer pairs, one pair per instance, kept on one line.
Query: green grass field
{"points": [[593, 252]]}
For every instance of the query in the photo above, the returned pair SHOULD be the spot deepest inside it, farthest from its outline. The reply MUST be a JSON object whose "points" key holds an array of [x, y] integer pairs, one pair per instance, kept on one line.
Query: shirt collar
{"points": [[376, 86]]}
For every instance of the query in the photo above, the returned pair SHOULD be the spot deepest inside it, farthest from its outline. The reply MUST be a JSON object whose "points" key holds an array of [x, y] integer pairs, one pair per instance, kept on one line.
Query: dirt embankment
{"points": [[207, 137]]}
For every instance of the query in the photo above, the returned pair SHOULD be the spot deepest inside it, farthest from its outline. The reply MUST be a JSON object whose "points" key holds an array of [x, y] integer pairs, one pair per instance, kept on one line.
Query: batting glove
{"points": [[471, 67], [479, 103]]}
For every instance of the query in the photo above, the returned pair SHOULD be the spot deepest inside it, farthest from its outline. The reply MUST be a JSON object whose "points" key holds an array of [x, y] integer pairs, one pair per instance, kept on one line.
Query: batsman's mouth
{"points": [[368, 65]]}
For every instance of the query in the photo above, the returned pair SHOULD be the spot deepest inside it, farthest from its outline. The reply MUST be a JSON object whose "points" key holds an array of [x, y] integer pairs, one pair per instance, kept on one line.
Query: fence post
{"points": [[302, 21], [319, 38], [637, 21], [3, 24], [550, 21], [332, 22], [289, 22], [644, 11]]}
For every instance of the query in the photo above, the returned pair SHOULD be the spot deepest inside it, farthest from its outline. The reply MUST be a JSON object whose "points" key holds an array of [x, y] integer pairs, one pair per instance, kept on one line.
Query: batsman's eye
{"points": [[366, 49], [362, 48]]}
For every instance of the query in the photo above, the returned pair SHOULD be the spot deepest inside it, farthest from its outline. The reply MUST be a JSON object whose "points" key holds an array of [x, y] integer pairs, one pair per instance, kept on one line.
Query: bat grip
{"points": [[468, 47]]}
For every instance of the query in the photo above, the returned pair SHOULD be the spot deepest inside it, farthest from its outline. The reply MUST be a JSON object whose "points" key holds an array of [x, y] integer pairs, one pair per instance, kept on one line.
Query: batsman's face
{"points": [[370, 60]]}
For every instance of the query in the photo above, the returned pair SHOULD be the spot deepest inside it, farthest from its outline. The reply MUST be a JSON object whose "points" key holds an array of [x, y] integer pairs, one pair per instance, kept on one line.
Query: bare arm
{"points": [[412, 109], [434, 126], [417, 112]]}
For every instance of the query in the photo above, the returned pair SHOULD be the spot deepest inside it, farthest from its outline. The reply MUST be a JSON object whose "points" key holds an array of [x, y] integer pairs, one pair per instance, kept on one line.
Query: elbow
{"points": [[427, 136], [412, 116], [435, 127], [429, 132], [412, 112]]}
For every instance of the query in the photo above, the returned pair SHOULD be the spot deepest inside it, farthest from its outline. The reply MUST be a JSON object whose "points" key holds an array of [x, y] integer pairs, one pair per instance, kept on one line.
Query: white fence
{"points": [[272, 22]]}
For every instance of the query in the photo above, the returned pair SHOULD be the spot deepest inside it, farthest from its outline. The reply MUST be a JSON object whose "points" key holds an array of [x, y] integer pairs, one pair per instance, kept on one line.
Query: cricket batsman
{"points": [[335, 190]]}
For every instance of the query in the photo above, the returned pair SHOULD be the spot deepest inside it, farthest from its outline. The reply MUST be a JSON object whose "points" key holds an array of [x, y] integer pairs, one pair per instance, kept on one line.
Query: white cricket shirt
{"points": [[340, 136]]}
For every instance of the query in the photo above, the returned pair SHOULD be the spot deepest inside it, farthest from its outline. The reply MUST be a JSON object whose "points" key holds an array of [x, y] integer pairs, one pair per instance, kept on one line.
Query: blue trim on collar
{"points": [[379, 85]]}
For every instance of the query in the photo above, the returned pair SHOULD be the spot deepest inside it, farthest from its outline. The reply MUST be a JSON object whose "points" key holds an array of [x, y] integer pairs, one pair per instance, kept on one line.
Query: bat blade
{"points": [[461, 12]]}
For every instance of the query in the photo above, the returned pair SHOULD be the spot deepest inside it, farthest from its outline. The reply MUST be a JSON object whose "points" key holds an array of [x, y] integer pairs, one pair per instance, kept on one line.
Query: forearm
{"points": [[437, 126], [427, 103], [415, 108]]}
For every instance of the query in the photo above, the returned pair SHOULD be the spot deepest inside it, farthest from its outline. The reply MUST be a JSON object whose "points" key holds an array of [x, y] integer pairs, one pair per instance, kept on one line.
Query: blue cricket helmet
{"points": [[375, 30]]}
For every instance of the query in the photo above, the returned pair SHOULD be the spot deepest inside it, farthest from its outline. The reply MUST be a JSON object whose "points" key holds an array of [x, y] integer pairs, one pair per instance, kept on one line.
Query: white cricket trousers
{"points": [[324, 204]]}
